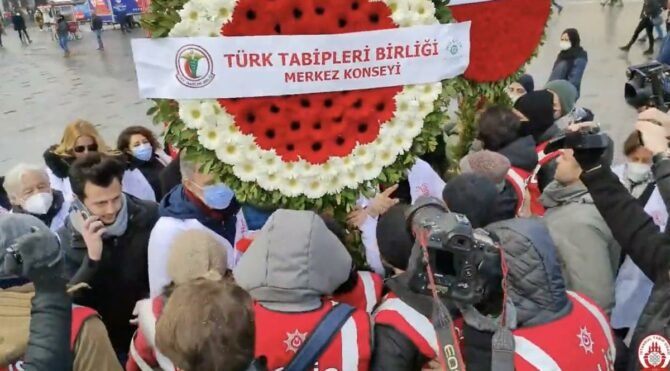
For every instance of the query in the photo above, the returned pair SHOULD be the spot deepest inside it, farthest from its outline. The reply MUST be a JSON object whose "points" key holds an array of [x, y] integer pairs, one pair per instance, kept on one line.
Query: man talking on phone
{"points": [[105, 239]]}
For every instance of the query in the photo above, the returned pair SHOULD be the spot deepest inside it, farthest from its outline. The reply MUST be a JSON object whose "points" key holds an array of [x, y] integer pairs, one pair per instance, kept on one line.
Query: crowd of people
{"points": [[134, 257]]}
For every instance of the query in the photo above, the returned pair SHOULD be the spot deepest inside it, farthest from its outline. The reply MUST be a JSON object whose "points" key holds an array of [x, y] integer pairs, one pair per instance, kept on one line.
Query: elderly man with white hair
{"points": [[30, 192]]}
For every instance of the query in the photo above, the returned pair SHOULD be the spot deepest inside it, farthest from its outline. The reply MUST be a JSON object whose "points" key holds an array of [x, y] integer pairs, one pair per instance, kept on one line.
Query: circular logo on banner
{"points": [[654, 353], [454, 48], [194, 66]]}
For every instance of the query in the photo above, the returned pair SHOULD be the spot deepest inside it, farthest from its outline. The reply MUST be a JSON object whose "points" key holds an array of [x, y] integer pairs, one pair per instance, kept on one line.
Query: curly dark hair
{"points": [[123, 143]]}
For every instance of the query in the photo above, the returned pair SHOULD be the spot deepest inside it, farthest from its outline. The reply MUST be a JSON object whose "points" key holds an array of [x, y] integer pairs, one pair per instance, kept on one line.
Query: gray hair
{"points": [[187, 167], [13, 183]]}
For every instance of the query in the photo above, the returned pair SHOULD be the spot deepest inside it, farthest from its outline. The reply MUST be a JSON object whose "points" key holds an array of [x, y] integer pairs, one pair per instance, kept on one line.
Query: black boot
{"points": [[625, 47], [649, 51]]}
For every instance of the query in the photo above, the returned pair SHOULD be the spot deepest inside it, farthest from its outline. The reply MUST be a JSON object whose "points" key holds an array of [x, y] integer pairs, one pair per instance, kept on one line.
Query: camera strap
{"points": [[450, 356]]}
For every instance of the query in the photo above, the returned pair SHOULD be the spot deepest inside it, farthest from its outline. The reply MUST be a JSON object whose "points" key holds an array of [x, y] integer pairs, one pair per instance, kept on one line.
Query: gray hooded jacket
{"points": [[587, 250], [293, 262]]}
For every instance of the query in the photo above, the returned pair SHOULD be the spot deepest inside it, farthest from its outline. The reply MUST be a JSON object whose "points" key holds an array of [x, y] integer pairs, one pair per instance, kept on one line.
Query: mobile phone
{"points": [[79, 206]]}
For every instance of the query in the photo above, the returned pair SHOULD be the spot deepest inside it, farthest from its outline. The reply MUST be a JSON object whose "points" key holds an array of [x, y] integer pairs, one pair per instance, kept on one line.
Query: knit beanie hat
{"points": [[473, 196], [393, 238], [489, 164], [196, 254], [527, 82], [538, 107], [567, 94]]}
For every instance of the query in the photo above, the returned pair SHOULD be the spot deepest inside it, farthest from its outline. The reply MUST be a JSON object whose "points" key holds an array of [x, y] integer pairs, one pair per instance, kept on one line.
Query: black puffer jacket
{"points": [[640, 238], [521, 154], [535, 286], [534, 279]]}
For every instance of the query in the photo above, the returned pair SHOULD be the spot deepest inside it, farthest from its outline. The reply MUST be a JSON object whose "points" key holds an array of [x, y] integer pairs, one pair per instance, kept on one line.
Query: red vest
{"points": [[143, 354], [280, 334], [366, 294], [521, 180], [586, 341], [394, 312], [584, 337], [79, 316]]}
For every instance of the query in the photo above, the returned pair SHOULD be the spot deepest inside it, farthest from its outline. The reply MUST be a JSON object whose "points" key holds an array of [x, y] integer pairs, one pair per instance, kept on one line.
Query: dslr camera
{"points": [[457, 253], [586, 138], [648, 85]]}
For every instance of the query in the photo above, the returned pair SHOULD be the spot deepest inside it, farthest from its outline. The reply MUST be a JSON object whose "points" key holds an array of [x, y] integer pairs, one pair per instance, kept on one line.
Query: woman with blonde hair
{"points": [[79, 139]]}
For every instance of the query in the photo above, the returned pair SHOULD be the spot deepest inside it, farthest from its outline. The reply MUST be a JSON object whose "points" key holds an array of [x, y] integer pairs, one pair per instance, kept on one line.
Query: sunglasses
{"points": [[90, 148]]}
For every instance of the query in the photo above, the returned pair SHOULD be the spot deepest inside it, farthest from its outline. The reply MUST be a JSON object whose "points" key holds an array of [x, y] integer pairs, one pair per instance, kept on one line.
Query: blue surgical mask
{"points": [[143, 152], [217, 196]]}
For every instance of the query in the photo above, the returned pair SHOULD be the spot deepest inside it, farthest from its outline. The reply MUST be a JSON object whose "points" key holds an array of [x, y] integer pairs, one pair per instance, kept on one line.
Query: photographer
{"points": [[87, 343], [508, 322], [30, 250], [635, 230]]}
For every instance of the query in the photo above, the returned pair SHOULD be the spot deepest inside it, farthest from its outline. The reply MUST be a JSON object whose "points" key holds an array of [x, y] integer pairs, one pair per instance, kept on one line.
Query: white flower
{"points": [[291, 187], [193, 11], [363, 154], [330, 168], [269, 182], [348, 163], [220, 10], [403, 142], [288, 170], [230, 153], [401, 18], [386, 156], [269, 162], [183, 29], [207, 115], [428, 93], [424, 108], [427, 20], [369, 170], [305, 169], [190, 112], [423, 8], [210, 137], [406, 103], [336, 184], [398, 5], [314, 187], [207, 28], [350, 178], [246, 170]]}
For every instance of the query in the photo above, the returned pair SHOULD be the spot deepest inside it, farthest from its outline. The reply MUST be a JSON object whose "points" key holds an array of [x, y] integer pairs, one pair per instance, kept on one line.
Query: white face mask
{"points": [[514, 96], [637, 172], [565, 45], [39, 203]]}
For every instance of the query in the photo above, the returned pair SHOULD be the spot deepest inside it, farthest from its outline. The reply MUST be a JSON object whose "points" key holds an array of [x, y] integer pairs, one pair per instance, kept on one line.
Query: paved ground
{"points": [[40, 91]]}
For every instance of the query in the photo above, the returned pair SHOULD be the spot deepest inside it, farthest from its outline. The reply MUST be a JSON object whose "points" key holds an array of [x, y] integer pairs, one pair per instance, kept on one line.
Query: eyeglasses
{"points": [[90, 148]]}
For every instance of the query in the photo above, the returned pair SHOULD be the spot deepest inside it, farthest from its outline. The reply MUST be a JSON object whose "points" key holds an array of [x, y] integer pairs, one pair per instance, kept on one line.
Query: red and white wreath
{"points": [[311, 144]]}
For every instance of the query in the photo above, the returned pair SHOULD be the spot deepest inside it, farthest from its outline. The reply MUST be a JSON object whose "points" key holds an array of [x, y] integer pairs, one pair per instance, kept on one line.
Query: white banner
{"points": [[253, 66]]}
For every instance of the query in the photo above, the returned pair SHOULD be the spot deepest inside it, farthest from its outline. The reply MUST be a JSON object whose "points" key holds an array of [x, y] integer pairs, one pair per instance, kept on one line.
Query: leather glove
{"points": [[39, 257]]}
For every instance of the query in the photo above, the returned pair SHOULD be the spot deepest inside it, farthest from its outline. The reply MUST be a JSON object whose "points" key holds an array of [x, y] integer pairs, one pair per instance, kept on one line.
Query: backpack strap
{"points": [[320, 338]]}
